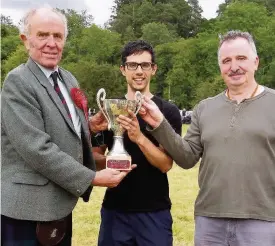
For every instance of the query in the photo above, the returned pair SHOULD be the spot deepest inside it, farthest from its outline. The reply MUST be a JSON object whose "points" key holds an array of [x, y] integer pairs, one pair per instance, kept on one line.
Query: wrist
{"points": [[158, 122], [91, 125], [140, 140], [95, 181], [155, 125]]}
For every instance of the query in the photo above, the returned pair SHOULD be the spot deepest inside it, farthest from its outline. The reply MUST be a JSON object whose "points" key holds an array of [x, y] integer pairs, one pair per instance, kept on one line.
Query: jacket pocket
{"points": [[29, 179]]}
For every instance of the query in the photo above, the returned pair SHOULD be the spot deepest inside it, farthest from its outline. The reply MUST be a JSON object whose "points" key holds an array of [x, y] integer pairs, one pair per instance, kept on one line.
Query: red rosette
{"points": [[80, 100]]}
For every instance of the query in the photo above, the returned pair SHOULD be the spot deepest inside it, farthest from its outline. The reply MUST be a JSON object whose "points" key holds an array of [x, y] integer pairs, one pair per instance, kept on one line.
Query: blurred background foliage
{"points": [[185, 44]]}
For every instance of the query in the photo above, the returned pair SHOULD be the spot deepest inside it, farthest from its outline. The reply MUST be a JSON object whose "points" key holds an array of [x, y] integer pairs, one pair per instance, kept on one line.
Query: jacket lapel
{"points": [[53, 95], [69, 84]]}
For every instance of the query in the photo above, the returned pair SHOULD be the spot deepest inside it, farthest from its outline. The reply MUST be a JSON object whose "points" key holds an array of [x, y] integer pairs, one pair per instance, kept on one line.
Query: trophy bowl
{"points": [[117, 157]]}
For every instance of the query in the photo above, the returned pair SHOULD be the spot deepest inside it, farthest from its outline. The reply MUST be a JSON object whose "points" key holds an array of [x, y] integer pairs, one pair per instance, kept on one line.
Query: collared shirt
{"points": [[65, 93]]}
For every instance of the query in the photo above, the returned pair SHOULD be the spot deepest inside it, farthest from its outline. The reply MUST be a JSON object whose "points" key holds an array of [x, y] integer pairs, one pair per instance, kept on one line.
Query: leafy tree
{"points": [[223, 6], [269, 4], [255, 19], [178, 15], [185, 45], [192, 73], [9, 37], [164, 60], [208, 89], [94, 44], [77, 21], [92, 77], [267, 75], [8, 46], [15, 59], [157, 33], [7, 27], [129, 35], [121, 3], [185, 65]]}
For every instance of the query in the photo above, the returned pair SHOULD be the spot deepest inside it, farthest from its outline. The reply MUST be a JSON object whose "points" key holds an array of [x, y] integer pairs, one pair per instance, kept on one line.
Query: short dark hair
{"points": [[136, 47]]}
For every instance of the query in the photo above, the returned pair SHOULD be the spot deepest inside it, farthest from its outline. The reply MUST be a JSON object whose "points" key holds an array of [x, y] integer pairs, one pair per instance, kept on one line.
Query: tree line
{"points": [[185, 44]]}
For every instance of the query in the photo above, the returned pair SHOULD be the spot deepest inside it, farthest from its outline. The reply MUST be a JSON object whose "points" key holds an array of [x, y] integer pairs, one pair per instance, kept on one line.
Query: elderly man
{"points": [[236, 200], [46, 156]]}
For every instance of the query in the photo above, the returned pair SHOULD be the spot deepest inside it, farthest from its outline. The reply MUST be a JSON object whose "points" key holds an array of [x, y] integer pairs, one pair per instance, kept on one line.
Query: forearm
{"points": [[185, 154], [157, 157]]}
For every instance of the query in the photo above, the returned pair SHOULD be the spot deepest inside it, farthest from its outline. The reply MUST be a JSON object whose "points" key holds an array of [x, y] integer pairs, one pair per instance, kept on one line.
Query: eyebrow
{"points": [[234, 56], [40, 32], [139, 62], [226, 58], [48, 33]]}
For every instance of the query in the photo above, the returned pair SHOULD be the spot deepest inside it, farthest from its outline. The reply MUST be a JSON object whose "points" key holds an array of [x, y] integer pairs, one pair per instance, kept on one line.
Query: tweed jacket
{"points": [[46, 167]]}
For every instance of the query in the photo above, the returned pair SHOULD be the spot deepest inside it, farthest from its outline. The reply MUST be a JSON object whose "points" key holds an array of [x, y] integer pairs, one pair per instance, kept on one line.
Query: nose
{"points": [[234, 65], [51, 41], [139, 70]]}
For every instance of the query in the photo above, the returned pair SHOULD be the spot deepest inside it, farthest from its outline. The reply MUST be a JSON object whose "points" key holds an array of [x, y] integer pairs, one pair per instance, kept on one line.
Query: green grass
{"points": [[183, 191]]}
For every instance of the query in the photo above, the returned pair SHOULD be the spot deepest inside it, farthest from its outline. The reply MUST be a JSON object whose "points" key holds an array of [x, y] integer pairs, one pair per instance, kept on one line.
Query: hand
{"points": [[98, 122], [150, 113], [110, 177], [131, 125]]}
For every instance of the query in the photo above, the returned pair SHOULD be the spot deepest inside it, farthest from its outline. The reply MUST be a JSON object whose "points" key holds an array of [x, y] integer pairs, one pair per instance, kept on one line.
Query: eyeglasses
{"points": [[134, 65]]}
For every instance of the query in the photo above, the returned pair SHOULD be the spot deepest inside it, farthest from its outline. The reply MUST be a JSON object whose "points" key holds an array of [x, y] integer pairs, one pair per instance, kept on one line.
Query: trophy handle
{"points": [[100, 97], [138, 99]]}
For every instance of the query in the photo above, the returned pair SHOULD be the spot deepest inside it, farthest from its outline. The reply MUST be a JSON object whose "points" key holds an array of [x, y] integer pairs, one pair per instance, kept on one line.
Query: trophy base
{"points": [[119, 162]]}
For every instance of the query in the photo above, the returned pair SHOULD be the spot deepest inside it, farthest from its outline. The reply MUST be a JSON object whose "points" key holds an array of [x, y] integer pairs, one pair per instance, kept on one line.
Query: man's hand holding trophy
{"points": [[117, 157]]}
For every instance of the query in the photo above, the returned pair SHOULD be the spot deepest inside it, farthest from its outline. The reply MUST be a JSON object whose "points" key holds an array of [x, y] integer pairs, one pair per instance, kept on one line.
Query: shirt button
{"points": [[78, 192], [232, 121]]}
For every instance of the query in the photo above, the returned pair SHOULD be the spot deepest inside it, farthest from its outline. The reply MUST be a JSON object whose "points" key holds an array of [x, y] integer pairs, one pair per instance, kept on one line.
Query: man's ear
{"points": [[154, 69], [25, 40], [122, 69]]}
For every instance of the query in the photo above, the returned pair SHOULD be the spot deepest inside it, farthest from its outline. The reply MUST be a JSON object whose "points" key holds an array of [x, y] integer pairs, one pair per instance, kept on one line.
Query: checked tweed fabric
{"points": [[54, 76]]}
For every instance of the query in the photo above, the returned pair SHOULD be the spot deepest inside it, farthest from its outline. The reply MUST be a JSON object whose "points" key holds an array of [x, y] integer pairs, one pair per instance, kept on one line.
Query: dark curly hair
{"points": [[136, 47]]}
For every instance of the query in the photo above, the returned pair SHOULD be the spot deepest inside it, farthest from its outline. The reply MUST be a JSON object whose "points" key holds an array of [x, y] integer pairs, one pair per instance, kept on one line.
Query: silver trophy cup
{"points": [[117, 158]]}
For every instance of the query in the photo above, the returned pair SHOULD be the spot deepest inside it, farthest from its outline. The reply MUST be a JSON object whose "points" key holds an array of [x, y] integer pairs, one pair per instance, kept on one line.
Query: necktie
{"points": [[56, 87]]}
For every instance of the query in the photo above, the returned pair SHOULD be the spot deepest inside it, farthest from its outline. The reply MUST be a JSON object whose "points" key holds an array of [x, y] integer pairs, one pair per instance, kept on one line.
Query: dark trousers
{"points": [[135, 229], [23, 232]]}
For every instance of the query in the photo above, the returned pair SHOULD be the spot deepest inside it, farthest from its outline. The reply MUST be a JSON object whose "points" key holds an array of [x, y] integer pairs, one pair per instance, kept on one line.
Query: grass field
{"points": [[183, 191]]}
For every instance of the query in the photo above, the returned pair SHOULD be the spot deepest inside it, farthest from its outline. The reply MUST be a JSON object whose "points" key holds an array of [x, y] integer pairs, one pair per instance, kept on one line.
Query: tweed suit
{"points": [[44, 167]]}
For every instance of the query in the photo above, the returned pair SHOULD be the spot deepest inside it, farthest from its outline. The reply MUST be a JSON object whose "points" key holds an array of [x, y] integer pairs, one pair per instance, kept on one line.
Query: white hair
{"points": [[234, 34], [25, 24]]}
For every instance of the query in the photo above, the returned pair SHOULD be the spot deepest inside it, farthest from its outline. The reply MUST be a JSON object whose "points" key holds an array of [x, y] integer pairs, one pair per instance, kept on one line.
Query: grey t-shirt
{"points": [[236, 144]]}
